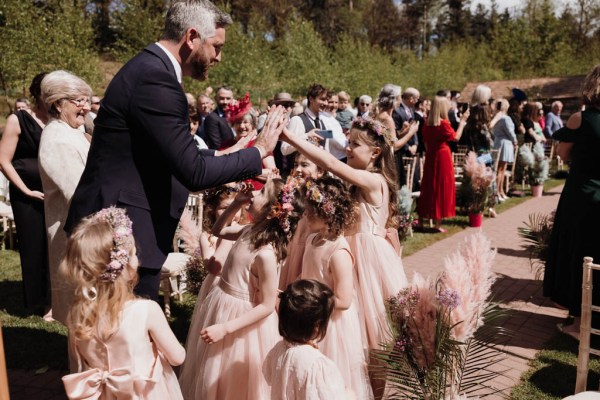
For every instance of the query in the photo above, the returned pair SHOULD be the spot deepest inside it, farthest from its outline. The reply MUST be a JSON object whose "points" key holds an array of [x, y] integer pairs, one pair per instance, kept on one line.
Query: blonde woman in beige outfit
{"points": [[62, 157]]}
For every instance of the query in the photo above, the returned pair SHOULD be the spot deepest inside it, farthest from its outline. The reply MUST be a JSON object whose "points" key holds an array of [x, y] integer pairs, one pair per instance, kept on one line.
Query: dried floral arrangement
{"points": [[535, 162], [475, 187], [443, 330]]}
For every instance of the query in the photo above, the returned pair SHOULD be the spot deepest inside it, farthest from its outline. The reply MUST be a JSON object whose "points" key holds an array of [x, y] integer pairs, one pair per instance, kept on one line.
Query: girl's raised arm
{"points": [[163, 336], [266, 268], [361, 178], [341, 265]]}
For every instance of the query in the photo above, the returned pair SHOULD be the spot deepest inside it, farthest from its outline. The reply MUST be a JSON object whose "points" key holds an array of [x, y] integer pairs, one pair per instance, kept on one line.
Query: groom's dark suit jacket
{"points": [[143, 158]]}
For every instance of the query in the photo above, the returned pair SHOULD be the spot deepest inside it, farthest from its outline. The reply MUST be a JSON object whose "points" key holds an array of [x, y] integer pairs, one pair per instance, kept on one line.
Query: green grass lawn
{"points": [[553, 371]]}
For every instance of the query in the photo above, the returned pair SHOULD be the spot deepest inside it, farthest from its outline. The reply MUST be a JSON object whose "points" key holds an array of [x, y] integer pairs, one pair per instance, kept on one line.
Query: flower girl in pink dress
{"points": [[123, 345], [295, 368], [235, 326], [292, 267], [327, 258], [373, 238]]}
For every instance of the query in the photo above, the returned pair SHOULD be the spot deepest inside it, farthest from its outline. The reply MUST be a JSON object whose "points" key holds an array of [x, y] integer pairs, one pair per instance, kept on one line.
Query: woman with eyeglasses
{"points": [[19, 163], [62, 157]]}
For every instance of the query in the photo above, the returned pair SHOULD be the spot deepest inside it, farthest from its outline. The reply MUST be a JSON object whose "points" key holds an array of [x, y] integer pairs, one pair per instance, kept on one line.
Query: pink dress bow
{"points": [[93, 383]]}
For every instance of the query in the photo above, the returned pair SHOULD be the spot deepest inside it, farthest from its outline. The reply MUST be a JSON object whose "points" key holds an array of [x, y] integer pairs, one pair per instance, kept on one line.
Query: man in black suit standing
{"points": [[402, 116], [143, 158], [216, 128]]}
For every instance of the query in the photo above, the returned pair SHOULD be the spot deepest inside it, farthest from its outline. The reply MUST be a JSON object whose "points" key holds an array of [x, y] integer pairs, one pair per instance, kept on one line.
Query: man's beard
{"points": [[200, 66]]}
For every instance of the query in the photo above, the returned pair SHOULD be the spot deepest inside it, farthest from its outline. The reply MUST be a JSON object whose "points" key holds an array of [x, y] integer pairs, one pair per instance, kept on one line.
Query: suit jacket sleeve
{"points": [[159, 108]]}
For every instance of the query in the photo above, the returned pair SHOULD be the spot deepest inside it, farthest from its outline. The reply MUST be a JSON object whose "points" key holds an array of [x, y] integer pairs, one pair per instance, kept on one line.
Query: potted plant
{"points": [[405, 210], [474, 189], [535, 162], [444, 330]]}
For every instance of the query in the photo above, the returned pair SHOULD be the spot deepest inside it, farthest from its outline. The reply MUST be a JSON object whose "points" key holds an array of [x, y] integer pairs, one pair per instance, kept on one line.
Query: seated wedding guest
{"points": [[295, 368], [62, 157], [19, 163]]}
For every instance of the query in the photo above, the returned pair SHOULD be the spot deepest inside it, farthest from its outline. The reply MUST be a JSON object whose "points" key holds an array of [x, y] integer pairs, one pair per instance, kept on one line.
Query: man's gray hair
{"points": [[201, 15], [365, 98]]}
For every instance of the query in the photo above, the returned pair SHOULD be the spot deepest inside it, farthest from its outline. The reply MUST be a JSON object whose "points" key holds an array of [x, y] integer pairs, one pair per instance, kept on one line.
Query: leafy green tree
{"points": [[36, 37]]}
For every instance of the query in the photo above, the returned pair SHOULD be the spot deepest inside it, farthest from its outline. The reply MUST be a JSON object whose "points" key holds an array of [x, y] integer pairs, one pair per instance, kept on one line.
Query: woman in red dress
{"points": [[438, 189]]}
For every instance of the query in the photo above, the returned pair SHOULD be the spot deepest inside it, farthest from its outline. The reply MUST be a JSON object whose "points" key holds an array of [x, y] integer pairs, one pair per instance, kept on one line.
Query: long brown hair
{"points": [[384, 164]]}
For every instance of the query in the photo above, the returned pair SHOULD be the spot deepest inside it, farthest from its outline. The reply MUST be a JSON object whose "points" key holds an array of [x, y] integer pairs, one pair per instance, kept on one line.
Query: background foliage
{"points": [[354, 45]]}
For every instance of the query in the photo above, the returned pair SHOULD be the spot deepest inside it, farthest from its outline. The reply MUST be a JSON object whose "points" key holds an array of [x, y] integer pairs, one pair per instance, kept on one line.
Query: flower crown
{"points": [[122, 231], [283, 208], [314, 194], [372, 125]]}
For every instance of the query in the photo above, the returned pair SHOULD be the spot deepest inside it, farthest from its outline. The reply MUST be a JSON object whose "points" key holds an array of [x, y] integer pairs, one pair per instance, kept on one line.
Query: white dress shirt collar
{"points": [[174, 61]]}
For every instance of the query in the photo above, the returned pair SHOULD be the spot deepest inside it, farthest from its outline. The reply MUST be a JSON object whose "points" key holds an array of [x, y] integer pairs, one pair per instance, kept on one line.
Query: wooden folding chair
{"points": [[585, 329], [462, 148], [459, 162], [409, 164], [509, 173]]}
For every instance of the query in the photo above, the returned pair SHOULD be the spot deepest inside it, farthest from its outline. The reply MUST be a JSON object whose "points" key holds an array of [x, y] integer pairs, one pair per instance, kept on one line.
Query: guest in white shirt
{"points": [[316, 118]]}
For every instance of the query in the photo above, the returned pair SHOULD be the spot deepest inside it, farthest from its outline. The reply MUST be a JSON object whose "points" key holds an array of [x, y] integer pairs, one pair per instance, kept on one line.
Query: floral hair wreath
{"points": [[372, 125], [314, 194], [122, 231], [283, 207]]}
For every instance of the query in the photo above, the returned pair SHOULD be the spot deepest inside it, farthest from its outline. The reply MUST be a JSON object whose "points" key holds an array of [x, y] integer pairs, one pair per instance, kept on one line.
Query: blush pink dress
{"points": [[378, 266], [292, 267], [343, 343], [127, 366], [231, 368], [301, 372]]}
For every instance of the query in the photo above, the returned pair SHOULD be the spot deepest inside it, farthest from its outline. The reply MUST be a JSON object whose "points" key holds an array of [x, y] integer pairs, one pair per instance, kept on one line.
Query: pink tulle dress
{"points": [[378, 266], [343, 343], [230, 369], [127, 366], [301, 372], [292, 267]]}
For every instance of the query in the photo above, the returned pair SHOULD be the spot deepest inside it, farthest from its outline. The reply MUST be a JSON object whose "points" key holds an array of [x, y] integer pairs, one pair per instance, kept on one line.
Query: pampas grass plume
{"points": [[189, 233]]}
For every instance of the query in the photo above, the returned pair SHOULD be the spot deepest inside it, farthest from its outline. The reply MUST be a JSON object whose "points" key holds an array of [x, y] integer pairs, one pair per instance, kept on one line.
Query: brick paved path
{"points": [[534, 317], [533, 321]]}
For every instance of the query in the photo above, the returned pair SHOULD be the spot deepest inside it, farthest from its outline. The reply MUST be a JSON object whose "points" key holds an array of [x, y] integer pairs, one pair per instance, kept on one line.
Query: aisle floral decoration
{"points": [[474, 189], [443, 328], [188, 232], [535, 162], [405, 211], [536, 234]]}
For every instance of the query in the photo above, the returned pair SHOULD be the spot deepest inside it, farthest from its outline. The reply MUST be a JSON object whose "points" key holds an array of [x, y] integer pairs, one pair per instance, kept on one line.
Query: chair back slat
{"points": [[585, 329]]}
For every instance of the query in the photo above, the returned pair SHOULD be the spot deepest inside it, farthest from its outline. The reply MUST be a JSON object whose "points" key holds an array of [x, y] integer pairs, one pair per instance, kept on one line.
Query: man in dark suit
{"points": [[143, 158], [402, 116], [216, 128]]}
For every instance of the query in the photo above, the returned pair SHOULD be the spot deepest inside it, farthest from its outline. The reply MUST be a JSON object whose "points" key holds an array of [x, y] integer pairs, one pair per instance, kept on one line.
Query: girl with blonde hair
{"points": [[123, 345]]}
